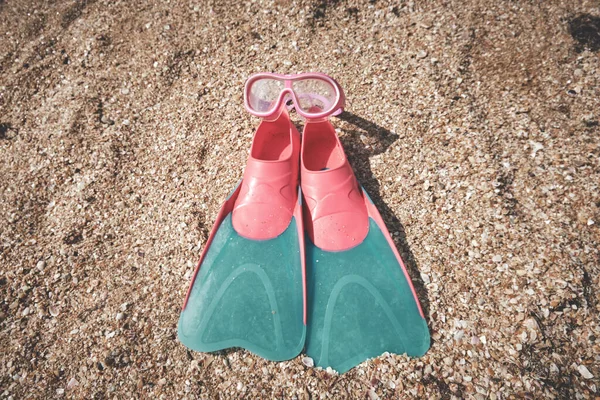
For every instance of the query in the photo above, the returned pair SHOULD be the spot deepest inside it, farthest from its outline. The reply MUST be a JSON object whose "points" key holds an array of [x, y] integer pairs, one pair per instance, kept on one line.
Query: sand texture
{"points": [[474, 125]]}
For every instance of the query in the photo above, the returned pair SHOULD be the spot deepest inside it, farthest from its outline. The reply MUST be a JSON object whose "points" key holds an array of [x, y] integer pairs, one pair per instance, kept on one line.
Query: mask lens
{"points": [[315, 95], [264, 93]]}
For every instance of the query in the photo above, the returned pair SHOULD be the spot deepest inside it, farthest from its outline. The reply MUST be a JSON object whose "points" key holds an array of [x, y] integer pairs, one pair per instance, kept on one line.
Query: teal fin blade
{"points": [[247, 294], [360, 305]]}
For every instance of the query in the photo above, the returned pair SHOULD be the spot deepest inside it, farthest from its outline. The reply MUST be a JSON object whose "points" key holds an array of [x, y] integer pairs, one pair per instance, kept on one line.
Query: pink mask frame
{"points": [[334, 108]]}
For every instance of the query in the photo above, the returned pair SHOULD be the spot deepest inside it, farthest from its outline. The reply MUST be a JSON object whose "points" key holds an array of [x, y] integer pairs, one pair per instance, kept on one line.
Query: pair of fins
{"points": [[291, 266]]}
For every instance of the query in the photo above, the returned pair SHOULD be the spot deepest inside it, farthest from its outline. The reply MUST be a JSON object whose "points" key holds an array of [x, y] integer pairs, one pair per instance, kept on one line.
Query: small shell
{"points": [[309, 362], [72, 383], [53, 310], [372, 394], [585, 372]]}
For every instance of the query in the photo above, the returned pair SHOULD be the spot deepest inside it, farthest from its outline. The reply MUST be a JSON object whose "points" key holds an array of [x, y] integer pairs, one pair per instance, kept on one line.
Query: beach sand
{"points": [[473, 124]]}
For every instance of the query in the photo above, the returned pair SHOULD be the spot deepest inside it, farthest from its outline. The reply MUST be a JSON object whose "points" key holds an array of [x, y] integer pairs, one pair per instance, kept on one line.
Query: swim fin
{"points": [[361, 302], [248, 288]]}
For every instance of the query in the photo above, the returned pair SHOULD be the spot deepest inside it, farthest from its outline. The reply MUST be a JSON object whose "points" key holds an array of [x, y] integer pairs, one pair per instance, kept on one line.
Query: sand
{"points": [[473, 124]]}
